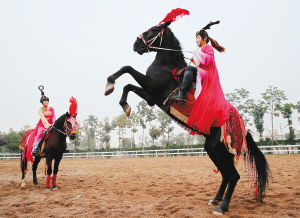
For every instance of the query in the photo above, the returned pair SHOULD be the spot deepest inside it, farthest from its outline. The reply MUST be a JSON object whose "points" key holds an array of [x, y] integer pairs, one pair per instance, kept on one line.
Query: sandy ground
{"points": [[147, 187]]}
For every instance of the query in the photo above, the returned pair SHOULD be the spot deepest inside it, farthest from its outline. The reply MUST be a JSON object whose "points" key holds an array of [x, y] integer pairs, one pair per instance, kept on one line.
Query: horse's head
{"points": [[153, 37], [70, 125], [158, 35]]}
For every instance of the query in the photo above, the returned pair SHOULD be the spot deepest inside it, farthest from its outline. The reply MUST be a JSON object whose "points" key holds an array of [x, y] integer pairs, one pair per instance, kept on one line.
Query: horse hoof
{"points": [[213, 203], [47, 189], [23, 184], [54, 188], [128, 111], [36, 185], [109, 88], [219, 211]]}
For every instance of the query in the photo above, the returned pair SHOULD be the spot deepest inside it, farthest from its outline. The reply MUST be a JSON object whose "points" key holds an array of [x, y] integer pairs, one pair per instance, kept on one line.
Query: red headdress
{"points": [[175, 14], [73, 106]]}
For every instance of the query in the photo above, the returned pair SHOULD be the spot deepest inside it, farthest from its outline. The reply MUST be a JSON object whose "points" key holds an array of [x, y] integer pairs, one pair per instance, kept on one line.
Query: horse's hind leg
{"points": [[233, 177], [137, 90], [212, 146], [139, 77], [224, 161], [34, 167], [219, 196]]}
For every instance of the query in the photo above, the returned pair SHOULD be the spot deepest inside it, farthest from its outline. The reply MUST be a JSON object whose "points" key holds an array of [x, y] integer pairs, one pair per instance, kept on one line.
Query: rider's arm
{"points": [[204, 59], [43, 119]]}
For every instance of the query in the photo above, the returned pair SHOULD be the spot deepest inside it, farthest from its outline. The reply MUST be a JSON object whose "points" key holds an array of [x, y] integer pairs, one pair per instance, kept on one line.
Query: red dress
{"points": [[211, 108]]}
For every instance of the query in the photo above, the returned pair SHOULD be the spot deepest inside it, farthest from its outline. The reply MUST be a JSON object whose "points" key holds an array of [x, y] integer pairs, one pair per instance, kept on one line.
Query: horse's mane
{"points": [[172, 42], [60, 121]]}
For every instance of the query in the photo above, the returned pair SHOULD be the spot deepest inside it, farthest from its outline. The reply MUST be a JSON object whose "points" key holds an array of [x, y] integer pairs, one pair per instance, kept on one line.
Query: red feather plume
{"points": [[73, 106], [175, 14]]}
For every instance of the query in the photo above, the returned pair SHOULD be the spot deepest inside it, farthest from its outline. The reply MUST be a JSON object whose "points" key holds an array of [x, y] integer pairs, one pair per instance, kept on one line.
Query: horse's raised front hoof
{"points": [[219, 211], [54, 188], [23, 183], [213, 202], [109, 88], [127, 109]]}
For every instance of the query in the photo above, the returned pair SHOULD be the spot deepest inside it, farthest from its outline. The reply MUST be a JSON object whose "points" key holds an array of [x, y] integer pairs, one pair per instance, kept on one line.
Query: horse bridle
{"points": [[66, 129], [149, 43]]}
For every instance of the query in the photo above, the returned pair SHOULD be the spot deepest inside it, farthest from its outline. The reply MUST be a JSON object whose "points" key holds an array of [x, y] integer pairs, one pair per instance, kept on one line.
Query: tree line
{"points": [[157, 128]]}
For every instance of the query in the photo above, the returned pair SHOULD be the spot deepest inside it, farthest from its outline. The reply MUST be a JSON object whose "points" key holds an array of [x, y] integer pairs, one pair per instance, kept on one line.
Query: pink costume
{"points": [[211, 108], [47, 116]]}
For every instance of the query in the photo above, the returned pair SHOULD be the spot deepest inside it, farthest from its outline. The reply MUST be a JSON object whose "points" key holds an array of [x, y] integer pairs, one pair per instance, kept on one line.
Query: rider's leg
{"points": [[188, 78], [38, 137]]}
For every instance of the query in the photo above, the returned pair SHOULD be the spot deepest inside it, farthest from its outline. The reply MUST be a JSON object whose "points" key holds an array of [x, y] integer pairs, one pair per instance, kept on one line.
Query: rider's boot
{"points": [[36, 149], [186, 84]]}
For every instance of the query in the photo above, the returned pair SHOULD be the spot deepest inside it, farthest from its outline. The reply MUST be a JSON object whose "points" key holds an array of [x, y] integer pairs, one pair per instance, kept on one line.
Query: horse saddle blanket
{"points": [[234, 134]]}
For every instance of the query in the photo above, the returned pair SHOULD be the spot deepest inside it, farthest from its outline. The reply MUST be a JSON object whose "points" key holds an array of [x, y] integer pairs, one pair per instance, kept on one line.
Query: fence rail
{"points": [[277, 149]]}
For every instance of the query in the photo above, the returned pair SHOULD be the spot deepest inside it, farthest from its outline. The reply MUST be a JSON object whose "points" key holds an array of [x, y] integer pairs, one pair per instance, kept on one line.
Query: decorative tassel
{"points": [[216, 170], [256, 191]]}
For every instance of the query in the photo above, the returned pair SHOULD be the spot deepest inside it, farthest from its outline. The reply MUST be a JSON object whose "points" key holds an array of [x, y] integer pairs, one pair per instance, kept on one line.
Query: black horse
{"points": [[55, 146], [157, 85]]}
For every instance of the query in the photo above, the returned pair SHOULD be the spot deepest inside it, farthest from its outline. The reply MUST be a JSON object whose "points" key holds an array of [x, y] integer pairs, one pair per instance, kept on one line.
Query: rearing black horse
{"points": [[157, 85], [54, 147]]}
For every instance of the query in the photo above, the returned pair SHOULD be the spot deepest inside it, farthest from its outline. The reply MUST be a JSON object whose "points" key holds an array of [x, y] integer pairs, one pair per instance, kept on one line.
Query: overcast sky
{"points": [[72, 46]]}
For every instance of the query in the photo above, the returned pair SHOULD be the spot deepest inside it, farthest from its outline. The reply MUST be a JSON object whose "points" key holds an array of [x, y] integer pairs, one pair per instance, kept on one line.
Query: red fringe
{"points": [[175, 14], [256, 191]]}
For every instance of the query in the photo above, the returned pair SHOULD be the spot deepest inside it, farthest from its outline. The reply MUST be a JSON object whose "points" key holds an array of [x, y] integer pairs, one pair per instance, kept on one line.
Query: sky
{"points": [[72, 46]]}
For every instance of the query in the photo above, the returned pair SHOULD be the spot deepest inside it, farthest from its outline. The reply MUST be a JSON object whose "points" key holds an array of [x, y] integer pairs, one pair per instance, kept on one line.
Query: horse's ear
{"points": [[68, 115], [166, 24]]}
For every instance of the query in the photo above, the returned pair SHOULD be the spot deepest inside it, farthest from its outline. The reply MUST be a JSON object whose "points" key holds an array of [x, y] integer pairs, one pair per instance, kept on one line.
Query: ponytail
{"points": [[216, 45]]}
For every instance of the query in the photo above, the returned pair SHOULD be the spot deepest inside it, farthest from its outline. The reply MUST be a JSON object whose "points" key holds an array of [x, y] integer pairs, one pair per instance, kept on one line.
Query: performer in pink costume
{"points": [[211, 109], [48, 118]]}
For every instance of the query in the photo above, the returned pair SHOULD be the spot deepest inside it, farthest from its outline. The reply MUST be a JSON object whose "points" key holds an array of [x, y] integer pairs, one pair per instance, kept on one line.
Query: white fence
{"points": [[277, 149]]}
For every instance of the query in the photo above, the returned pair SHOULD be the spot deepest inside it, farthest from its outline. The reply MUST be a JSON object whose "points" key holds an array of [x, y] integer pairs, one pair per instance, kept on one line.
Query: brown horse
{"points": [[55, 146]]}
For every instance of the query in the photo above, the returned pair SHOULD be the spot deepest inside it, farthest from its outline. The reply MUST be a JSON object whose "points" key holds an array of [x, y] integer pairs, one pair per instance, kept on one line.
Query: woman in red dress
{"points": [[211, 109]]}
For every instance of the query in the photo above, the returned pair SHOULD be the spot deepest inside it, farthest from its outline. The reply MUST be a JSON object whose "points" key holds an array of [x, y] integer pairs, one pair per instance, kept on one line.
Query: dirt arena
{"points": [[147, 187]]}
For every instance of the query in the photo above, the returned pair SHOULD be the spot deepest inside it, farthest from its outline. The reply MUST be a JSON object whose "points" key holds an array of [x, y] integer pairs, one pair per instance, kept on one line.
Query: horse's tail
{"points": [[260, 164]]}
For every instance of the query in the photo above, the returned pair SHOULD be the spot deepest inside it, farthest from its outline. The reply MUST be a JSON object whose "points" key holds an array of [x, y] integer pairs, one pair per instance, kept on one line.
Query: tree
{"points": [[286, 111], [12, 139], [273, 97], [120, 122], [145, 115], [297, 107], [154, 133], [258, 111], [165, 125], [239, 98], [133, 121], [105, 129], [90, 126]]}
